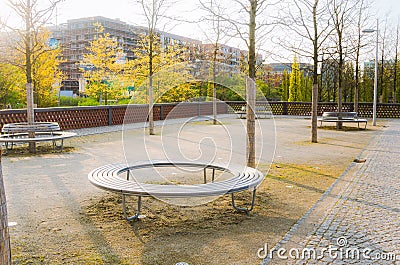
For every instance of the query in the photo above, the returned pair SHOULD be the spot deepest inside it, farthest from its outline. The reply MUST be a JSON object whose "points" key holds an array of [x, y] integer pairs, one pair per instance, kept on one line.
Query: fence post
{"points": [[109, 109], [5, 247], [285, 108], [161, 112]]}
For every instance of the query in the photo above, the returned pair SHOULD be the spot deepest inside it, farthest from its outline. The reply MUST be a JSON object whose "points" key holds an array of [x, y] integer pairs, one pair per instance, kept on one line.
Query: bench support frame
{"points": [[108, 178], [57, 139], [242, 209], [135, 217], [139, 206]]}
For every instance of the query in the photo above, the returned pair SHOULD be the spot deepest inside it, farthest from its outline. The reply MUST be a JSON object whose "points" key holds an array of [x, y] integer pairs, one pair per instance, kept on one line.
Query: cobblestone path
{"points": [[360, 223]]}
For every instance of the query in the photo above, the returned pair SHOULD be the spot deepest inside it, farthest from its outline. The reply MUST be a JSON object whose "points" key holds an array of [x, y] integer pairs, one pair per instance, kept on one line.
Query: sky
{"points": [[388, 7], [129, 12]]}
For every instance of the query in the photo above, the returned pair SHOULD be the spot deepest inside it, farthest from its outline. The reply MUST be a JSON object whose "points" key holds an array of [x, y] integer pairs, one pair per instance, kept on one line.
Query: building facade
{"points": [[74, 38]]}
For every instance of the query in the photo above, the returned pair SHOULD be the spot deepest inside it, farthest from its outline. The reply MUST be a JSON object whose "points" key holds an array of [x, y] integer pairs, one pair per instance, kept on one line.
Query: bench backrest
{"points": [[36, 127], [258, 108], [335, 115]]}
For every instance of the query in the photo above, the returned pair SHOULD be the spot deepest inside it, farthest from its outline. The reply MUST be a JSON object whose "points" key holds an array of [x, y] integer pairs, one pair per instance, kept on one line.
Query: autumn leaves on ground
{"points": [[95, 231]]}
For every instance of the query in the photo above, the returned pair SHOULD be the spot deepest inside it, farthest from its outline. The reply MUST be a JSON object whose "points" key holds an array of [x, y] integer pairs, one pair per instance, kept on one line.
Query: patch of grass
{"points": [[23, 151], [344, 128], [313, 178]]}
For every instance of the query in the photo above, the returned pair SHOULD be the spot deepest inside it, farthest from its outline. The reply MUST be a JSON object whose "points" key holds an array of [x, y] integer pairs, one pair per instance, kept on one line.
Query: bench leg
{"points": [[242, 209], [5, 148], [205, 175], [58, 147], [133, 217], [8, 148]]}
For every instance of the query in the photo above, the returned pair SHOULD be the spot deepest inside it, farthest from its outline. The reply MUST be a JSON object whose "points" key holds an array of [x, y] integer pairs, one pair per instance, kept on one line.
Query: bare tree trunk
{"points": [[251, 88], [215, 9], [314, 114], [214, 81], [252, 40], [214, 102], [382, 88], [340, 90], [251, 137], [310, 23], [153, 11], [5, 247], [396, 60], [30, 114], [28, 62], [357, 87], [358, 48], [151, 103], [339, 15], [314, 107]]}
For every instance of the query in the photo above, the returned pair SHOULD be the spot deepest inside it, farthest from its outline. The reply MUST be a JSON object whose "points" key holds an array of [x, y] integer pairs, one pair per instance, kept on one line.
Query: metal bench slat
{"points": [[107, 177]]}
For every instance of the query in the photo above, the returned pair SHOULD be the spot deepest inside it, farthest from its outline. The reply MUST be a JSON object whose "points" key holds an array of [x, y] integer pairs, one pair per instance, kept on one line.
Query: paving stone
{"points": [[367, 214]]}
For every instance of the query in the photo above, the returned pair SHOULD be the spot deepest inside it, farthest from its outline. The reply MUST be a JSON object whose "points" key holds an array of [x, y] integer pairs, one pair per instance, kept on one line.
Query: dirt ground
{"points": [[58, 217]]}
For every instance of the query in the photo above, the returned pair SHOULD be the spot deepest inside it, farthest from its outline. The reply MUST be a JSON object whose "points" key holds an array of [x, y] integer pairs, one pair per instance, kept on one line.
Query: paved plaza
{"points": [[58, 217], [357, 221]]}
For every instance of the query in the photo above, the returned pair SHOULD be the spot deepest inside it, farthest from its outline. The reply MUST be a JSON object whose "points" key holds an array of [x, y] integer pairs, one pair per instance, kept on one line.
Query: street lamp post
{"points": [[376, 71]]}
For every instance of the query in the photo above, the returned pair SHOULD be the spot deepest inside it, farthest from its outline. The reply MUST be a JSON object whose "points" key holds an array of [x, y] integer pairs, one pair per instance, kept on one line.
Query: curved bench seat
{"points": [[342, 117], [109, 178], [23, 127], [39, 137]]}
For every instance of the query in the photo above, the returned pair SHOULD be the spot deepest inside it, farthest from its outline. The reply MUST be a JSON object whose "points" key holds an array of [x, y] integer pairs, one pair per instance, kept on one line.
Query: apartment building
{"points": [[75, 36]]}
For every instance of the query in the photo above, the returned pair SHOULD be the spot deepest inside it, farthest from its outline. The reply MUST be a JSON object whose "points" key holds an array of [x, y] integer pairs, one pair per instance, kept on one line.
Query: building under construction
{"points": [[74, 38]]}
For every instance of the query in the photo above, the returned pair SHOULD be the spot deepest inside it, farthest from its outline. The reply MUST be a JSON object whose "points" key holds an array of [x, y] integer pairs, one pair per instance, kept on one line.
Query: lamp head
{"points": [[368, 30]]}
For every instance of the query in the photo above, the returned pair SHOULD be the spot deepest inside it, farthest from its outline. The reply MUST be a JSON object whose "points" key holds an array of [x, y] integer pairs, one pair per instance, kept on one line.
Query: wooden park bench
{"points": [[116, 178], [14, 133], [344, 117], [261, 111]]}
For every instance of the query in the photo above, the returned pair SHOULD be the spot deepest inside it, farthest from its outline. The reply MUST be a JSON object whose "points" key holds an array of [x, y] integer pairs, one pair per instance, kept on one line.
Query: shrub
{"points": [[68, 101], [88, 102]]}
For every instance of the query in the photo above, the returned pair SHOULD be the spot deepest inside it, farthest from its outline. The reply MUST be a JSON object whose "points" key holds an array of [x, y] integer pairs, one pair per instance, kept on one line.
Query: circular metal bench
{"points": [[342, 117], [11, 139], [109, 178], [23, 127]]}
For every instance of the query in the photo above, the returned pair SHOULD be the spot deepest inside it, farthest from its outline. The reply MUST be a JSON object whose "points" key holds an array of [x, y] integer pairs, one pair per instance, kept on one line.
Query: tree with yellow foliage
{"points": [[12, 92], [164, 73], [295, 82], [46, 75], [102, 68], [44, 71]]}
